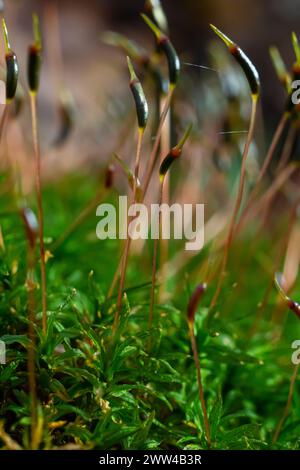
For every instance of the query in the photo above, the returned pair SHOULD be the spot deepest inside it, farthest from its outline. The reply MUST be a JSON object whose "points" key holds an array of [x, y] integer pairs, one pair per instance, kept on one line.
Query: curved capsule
{"points": [[194, 302], [174, 153], [248, 68], [139, 97], [243, 60], [167, 47], [12, 67], [172, 58]]}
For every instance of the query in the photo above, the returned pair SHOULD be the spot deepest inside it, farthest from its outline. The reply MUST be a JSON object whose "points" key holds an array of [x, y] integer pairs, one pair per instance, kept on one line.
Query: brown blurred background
{"points": [[96, 73]]}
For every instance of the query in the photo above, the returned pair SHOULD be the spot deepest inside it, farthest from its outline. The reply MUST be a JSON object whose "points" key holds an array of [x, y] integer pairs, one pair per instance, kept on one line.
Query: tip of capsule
{"points": [[229, 43], [296, 47], [159, 35], [185, 136], [278, 280], [132, 73], [37, 31], [5, 34]]}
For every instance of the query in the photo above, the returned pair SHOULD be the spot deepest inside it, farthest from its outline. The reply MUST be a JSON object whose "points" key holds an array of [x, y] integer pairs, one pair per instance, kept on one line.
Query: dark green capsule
{"points": [[174, 153], [168, 160], [141, 104], [172, 58], [12, 68], [248, 68], [34, 68], [34, 57], [243, 60], [168, 49], [12, 75]]}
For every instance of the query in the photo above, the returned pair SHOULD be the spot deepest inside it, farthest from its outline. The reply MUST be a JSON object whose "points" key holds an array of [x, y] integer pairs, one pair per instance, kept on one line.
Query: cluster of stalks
{"points": [[33, 74], [165, 45], [238, 216], [31, 231], [33, 228]]}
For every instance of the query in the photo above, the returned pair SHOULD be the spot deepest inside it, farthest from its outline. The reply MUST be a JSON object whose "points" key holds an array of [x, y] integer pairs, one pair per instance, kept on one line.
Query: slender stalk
{"points": [[279, 130], [287, 149], [238, 200], [3, 121], [3, 125], [36, 145], [124, 259], [32, 345], [199, 380], [164, 243], [154, 258], [267, 198], [267, 161], [279, 254], [154, 152], [165, 165], [148, 174], [115, 278], [31, 228], [288, 404]]}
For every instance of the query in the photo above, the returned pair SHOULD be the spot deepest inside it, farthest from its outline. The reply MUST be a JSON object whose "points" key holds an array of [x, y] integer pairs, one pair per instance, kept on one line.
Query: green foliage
{"points": [[104, 392]]}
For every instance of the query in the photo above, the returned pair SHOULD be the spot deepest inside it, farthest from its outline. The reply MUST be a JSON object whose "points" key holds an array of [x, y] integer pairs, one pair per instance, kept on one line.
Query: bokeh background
{"points": [[96, 74]]}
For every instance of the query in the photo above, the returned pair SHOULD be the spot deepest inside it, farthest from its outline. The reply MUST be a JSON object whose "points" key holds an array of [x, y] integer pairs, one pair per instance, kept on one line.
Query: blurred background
{"points": [[96, 76]]}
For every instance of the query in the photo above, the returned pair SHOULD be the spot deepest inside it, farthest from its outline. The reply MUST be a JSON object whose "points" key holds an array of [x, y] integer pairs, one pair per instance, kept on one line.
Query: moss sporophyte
{"points": [[12, 67]]}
